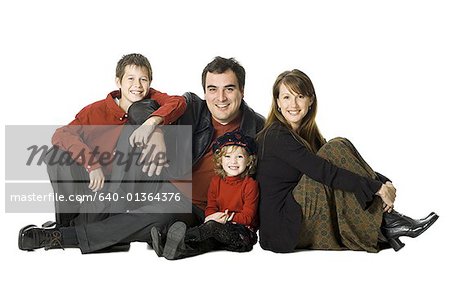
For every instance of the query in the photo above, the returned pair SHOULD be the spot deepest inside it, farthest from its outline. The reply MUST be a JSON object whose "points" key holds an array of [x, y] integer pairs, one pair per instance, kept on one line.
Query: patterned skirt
{"points": [[333, 219]]}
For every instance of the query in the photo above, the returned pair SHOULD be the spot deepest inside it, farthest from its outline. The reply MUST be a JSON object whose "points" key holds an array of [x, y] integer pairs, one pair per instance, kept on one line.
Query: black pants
{"points": [[212, 236], [99, 230], [125, 228], [103, 227], [70, 180]]}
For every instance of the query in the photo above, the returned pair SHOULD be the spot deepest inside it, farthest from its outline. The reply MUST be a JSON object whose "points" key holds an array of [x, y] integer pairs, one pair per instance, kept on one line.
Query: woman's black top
{"points": [[282, 161]]}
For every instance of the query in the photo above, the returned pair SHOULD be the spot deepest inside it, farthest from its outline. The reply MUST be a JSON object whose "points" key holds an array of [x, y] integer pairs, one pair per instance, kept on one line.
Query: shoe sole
{"points": [[20, 242], [175, 236], [156, 241]]}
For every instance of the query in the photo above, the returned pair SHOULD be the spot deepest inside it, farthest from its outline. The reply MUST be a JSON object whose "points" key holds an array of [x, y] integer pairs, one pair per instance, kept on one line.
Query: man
{"points": [[223, 110]]}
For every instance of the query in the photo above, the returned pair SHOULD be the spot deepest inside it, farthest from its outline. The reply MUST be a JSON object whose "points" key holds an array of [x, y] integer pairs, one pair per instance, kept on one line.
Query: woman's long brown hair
{"points": [[308, 133]]}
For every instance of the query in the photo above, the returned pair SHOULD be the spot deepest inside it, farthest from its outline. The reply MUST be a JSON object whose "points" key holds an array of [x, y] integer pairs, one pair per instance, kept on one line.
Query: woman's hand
{"points": [[387, 193], [97, 180]]}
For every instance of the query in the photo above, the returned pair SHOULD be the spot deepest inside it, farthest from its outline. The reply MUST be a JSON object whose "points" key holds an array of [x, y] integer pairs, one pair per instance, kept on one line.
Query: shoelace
{"points": [[54, 240]]}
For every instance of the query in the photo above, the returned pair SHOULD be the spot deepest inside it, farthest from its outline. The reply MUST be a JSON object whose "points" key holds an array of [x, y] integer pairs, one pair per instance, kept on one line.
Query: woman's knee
{"points": [[333, 146]]}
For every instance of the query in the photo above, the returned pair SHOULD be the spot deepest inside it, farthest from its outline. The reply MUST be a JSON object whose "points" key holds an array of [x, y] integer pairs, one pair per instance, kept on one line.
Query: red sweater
{"points": [[103, 139], [238, 195]]}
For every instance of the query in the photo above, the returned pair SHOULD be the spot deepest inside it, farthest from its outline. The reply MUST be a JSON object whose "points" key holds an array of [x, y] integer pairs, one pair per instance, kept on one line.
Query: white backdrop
{"points": [[381, 72]]}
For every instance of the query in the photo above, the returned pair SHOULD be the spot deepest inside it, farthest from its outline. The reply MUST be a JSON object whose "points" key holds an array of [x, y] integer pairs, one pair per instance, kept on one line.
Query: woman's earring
{"points": [[279, 109]]}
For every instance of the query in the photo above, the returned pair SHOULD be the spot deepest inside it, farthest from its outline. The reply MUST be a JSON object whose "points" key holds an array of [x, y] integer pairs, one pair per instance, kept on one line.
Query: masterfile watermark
{"points": [[35, 183]]}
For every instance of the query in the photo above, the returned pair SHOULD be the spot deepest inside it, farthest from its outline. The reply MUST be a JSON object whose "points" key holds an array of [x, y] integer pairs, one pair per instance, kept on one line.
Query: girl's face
{"points": [[234, 161]]}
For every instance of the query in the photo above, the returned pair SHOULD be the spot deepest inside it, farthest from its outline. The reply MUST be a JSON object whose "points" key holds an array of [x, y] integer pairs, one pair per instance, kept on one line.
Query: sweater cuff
{"points": [[366, 194], [382, 178]]}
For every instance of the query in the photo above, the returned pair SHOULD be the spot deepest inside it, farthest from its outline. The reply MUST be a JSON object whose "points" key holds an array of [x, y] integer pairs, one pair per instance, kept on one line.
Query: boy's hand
{"points": [[140, 136], [97, 180]]}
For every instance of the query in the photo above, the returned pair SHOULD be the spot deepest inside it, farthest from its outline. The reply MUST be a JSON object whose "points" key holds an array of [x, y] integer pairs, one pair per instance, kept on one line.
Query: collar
{"points": [[233, 179], [113, 106]]}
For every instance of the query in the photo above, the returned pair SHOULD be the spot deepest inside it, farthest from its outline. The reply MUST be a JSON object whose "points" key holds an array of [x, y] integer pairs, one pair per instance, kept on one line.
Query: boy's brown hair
{"points": [[133, 59]]}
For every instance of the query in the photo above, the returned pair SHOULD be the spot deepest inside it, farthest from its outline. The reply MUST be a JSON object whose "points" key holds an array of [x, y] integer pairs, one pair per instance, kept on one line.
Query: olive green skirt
{"points": [[333, 219]]}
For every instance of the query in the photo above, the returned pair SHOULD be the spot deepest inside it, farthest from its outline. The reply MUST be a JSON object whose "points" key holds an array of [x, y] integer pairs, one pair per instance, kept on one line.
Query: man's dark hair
{"points": [[220, 65]]}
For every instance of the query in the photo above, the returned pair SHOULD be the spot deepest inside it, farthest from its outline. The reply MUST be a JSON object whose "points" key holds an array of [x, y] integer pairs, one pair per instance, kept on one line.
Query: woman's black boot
{"points": [[396, 244], [396, 225]]}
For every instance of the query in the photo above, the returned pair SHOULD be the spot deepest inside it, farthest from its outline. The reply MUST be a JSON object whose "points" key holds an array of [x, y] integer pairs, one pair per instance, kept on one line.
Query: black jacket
{"points": [[197, 115]]}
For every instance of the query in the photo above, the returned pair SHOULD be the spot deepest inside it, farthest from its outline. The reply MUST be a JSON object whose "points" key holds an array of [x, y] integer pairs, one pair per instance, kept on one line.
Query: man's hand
{"points": [[154, 154], [97, 180]]}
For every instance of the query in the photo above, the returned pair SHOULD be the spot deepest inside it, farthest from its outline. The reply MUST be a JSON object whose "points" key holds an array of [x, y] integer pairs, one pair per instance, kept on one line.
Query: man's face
{"points": [[135, 84], [223, 96]]}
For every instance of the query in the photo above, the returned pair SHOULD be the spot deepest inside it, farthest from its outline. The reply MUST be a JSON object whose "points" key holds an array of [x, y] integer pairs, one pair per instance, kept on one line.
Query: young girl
{"points": [[232, 205]]}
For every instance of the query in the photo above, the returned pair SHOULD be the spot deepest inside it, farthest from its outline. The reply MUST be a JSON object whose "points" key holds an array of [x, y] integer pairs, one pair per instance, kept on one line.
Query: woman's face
{"points": [[294, 107]]}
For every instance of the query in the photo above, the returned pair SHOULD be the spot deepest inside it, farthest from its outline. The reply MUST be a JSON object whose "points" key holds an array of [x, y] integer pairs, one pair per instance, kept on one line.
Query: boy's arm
{"points": [[68, 138], [251, 196], [171, 108]]}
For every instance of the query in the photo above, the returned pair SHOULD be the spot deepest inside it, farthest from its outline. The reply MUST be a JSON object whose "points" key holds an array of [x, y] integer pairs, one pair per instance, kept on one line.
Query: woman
{"points": [[317, 194]]}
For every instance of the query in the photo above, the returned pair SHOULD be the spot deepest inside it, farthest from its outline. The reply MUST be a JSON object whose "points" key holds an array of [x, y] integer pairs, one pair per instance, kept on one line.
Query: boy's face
{"points": [[135, 83], [223, 96], [234, 161]]}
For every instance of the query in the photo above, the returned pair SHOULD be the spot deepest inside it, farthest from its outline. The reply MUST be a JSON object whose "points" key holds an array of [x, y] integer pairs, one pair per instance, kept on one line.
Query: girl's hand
{"points": [[217, 216], [220, 217]]}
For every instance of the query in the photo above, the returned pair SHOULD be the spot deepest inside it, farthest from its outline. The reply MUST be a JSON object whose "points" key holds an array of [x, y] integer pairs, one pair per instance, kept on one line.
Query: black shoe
{"points": [[397, 225], [424, 222], [396, 244], [175, 240], [157, 241], [32, 237]]}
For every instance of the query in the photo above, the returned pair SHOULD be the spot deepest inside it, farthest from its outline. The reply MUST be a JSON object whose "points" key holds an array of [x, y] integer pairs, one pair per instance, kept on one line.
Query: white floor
{"points": [[412, 273], [380, 69]]}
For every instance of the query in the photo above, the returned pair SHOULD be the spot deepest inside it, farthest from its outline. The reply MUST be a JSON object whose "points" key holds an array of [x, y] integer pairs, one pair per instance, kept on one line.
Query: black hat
{"points": [[235, 138]]}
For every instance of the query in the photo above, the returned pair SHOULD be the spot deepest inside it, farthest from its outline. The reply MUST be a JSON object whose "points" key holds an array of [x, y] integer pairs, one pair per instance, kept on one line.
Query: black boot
{"points": [[175, 241], [157, 242], [424, 222], [396, 225], [31, 237], [178, 245]]}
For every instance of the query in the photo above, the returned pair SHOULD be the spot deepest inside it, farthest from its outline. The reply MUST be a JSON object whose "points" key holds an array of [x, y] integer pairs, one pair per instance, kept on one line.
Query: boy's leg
{"points": [[68, 179]]}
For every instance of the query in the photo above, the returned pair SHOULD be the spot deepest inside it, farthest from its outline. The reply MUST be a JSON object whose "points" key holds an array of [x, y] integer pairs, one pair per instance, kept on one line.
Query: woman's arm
{"points": [[286, 148]]}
